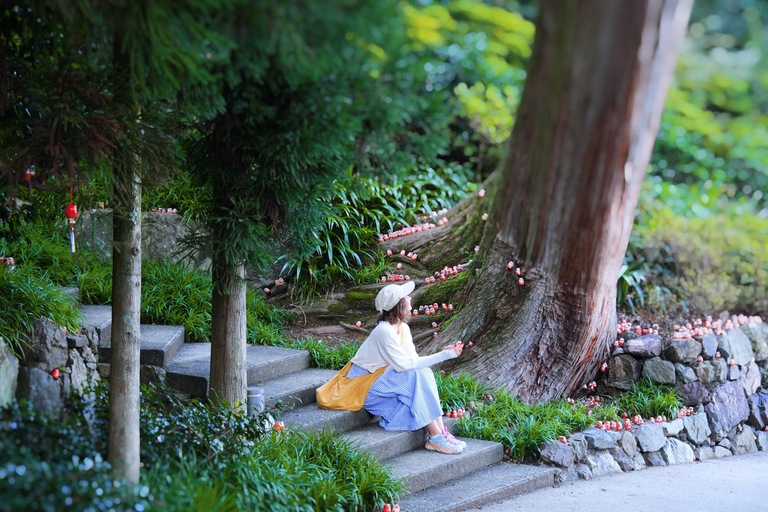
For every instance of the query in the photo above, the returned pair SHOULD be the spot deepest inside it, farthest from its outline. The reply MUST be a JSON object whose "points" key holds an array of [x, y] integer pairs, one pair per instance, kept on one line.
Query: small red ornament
{"points": [[55, 373], [387, 508], [71, 211]]}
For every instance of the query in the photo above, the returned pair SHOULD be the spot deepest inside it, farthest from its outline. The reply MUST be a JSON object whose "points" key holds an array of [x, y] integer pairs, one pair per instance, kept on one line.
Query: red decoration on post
{"points": [[71, 212]]}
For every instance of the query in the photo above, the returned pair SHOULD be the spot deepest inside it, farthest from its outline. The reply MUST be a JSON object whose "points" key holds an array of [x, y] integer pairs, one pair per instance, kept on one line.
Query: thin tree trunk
{"points": [[228, 329], [123, 443], [567, 192]]}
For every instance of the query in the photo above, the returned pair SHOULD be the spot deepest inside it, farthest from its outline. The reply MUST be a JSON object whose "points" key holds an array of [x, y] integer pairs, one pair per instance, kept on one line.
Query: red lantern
{"points": [[71, 211]]}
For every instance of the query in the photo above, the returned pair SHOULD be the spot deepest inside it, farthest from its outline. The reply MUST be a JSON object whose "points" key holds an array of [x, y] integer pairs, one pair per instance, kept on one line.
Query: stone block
{"points": [[580, 447], [761, 440], [708, 346], [9, 374], [744, 441], [654, 459], [645, 346], [557, 453], [41, 389], [602, 463], [707, 372], [750, 377], [624, 461], [599, 439], [682, 350], [623, 371], [685, 373], [659, 371], [650, 437], [735, 344], [672, 428], [697, 427], [758, 337], [721, 452], [758, 409], [677, 452], [48, 347], [693, 393], [704, 453], [628, 443], [727, 409]]}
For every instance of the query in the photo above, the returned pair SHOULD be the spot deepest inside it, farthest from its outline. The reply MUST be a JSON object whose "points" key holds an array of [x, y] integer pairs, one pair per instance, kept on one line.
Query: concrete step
{"points": [[98, 318], [297, 388], [497, 482], [189, 371], [159, 343], [314, 419], [422, 468], [385, 444]]}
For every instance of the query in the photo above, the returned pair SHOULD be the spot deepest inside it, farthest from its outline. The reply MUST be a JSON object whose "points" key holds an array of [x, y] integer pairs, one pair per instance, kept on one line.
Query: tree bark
{"points": [[566, 195], [123, 444], [229, 379]]}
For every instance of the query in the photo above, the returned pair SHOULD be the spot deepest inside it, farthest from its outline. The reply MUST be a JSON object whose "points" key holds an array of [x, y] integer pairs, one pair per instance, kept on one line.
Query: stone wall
{"points": [[720, 369], [161, 236], [54, 365]]}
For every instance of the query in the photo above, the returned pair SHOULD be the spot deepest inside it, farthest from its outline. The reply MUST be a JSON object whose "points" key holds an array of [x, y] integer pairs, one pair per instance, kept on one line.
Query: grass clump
{"points": [[649, 400], [25, 296]]}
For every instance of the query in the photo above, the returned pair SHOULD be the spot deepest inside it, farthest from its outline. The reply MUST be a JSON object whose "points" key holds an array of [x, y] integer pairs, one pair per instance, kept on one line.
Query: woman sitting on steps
{"points": [[405, 395]]}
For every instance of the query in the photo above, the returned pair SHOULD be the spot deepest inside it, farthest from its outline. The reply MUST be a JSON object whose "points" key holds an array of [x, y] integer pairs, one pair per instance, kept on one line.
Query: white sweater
{"points": [[385, 346]]}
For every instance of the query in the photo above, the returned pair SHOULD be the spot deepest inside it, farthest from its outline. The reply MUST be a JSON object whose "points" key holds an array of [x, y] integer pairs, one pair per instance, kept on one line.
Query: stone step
{"points": [[385, 444], [189, 371], [314, 419], [297, 388], [98, 318], [422, 468], [159, 343], [497, 482]]}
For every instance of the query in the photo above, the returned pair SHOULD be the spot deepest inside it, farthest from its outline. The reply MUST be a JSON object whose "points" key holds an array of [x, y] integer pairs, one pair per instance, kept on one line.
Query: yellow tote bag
{"points": [[344, 394]]}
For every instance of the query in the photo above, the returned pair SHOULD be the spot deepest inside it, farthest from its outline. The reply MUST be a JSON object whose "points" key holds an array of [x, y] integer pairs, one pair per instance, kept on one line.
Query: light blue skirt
{"points": [[405, 400]]}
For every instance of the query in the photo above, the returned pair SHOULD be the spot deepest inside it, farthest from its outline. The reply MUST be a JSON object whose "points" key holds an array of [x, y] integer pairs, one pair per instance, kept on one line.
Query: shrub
{"points": [[25, 296], [219, 459], [701, 265]]}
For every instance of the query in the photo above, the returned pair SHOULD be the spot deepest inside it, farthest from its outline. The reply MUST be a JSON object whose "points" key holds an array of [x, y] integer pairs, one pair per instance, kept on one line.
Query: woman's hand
{"points": [[456, 347]]}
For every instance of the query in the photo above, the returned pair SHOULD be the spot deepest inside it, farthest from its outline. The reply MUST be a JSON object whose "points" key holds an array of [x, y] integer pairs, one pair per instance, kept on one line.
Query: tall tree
{"points": [[305, 99], [92, 83], [566, 194]]}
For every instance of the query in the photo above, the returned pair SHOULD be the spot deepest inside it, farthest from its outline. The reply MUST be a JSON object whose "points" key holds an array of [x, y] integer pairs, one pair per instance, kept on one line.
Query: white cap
{"points": [[391, 294]]}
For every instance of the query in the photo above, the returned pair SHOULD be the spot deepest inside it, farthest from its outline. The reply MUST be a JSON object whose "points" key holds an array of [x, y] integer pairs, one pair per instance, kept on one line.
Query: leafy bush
{"points": [[701, 265], [25, 296], [219, 459]]}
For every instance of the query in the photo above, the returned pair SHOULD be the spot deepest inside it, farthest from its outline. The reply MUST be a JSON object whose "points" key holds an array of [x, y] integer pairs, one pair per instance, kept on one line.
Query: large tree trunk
{"points": [[123, 444], [228, 329], [567, 193]]}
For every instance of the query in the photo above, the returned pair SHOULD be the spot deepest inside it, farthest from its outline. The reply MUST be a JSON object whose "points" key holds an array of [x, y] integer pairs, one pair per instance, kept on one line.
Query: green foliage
{"points": [[478, 52], [26, 295], [218, 458], [46, 248], [322, 355], [173, 294], [649, 400], [702, 265], [359, 209], [180, 192], [712, 143]]}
